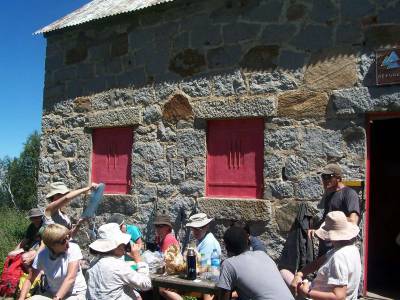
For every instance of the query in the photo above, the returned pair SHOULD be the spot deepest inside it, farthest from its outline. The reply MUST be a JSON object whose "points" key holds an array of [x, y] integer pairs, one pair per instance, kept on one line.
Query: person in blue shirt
{"points": [[205, 240], [132, 230]]}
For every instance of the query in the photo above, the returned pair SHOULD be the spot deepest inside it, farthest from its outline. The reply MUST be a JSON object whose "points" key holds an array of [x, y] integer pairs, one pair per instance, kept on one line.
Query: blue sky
{"points": [[22, 57]]}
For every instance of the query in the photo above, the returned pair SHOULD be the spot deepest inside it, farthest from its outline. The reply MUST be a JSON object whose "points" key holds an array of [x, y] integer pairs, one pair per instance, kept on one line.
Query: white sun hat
{"points": [[337, 228], [57, 188], [110, 237], [198, 220]]}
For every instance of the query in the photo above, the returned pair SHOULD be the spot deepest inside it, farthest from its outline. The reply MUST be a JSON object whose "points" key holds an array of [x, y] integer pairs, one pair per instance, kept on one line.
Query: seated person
{"points": [[164, 235], [255, 243], [253, 274], [109, 277], [339, 270], [59, 197], [132, 230], [205, 240], [164, 239], [31, 242], [59, 261]]}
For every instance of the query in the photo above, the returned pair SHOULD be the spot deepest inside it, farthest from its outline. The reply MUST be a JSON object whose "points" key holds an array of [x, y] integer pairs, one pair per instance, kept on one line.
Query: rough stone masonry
{"points": [[305, 67]]}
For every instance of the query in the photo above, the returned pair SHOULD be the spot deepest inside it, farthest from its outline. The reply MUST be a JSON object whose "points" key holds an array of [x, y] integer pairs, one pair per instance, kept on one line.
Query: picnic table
{"points": [[178, 282]]}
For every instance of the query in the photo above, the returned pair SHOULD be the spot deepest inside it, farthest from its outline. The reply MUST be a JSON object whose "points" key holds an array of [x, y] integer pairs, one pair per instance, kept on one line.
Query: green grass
{"points": [[12, 229]]}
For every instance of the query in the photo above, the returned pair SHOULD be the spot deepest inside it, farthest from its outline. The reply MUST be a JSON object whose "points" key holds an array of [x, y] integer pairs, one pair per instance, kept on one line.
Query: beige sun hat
{"points": [[110, 237], [57, 188], [332, 169], [198, 220], [337, 228]]}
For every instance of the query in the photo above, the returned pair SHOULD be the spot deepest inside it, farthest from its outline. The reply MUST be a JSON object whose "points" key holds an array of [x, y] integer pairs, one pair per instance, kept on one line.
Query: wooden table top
{"points": [[164, 279]]}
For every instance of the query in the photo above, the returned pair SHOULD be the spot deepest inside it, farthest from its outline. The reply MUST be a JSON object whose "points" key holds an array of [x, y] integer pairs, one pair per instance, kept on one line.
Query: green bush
{"points": [[13, 225]]}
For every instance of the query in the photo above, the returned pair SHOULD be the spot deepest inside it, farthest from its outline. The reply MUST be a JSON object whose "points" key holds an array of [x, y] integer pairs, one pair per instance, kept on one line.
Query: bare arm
{"points": [[226, 295], [135, 252], [313, 266], [139, 242], [18, 249], [353, 218], [338, 293], [64, 200], [76, 227], [310, 268], [69, 280], [33, 273]]}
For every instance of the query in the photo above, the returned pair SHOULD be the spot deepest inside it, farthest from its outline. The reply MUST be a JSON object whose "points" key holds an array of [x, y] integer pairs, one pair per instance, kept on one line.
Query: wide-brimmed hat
{"points": [[198, 220], [162, 220], [110, 237], [57, 188], [332, 169], [34, 212], [337, 228]]}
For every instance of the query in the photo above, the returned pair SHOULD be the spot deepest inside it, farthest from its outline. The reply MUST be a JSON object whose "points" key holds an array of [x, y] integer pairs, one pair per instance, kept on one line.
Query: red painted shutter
{"points": [[235, 158], [111, 160]]}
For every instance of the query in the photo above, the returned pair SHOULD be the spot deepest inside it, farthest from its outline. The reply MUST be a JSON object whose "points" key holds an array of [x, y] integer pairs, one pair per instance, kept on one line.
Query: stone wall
{"points": [[306, 67]]}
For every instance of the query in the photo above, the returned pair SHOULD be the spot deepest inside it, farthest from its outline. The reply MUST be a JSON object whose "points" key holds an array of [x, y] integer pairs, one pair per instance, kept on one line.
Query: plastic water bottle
{"points": [[215, 265], [203, 270]]}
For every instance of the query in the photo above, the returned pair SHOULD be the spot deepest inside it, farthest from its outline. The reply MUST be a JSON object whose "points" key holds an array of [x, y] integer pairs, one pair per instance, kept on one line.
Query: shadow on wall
{"points": [[203, 41]]}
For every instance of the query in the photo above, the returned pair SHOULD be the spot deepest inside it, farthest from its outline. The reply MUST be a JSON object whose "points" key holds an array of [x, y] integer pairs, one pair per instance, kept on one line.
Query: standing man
{"points": [[252, 274], [337, 196]]}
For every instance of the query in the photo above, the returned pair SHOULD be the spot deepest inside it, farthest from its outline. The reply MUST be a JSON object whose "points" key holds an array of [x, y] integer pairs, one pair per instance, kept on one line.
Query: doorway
{"points": [[383, 260]]}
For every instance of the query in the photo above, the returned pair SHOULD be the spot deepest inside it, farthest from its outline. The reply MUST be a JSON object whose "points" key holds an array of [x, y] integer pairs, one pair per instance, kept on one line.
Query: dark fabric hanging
{"points": [[299, 249]]}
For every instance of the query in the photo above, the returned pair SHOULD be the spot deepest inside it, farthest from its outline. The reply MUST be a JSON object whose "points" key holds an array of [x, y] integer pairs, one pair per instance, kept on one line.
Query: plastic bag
{"points": [[174, 262]]}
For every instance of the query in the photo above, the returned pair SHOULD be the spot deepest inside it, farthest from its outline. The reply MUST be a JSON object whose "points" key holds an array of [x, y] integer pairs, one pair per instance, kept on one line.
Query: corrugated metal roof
{"points": [[98, 9]]}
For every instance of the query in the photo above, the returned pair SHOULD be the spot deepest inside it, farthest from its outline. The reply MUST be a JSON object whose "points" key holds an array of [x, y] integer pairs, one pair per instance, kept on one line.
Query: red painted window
{"points": [[111, 160], [235, 158]]}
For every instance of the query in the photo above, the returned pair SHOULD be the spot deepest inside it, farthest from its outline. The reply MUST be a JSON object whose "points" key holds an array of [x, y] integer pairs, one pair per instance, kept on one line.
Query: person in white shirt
{"points": [[339, 270], [110, 277], [59, 261]]}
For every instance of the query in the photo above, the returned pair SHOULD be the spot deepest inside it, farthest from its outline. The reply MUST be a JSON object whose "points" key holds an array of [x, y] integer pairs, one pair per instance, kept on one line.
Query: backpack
{"points": [[12, 271]]}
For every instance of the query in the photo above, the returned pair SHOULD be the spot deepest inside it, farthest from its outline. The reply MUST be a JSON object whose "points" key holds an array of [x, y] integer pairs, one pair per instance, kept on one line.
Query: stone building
{"points": [[228, 107]]}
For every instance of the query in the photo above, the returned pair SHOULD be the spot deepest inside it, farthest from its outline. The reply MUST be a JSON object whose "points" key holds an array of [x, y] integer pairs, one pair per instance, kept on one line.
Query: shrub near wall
{"points": [[12, 229]]}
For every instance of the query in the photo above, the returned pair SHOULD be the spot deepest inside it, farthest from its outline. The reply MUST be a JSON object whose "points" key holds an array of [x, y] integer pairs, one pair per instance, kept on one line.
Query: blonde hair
{"points": [[54, 233]]}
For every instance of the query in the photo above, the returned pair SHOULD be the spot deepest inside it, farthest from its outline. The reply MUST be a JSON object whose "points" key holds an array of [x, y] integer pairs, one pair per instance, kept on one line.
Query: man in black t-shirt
{"points": [[337, 196]]}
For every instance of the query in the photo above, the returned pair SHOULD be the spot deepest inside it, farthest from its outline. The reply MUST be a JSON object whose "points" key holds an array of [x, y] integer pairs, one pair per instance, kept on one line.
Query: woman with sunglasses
{"points": [[59, 261], [164, 235], [338, 272]]}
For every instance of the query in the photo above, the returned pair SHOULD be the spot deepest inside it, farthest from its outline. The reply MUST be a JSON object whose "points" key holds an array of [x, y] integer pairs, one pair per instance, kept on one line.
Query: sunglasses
{"points": [[198, 228], [327, 176], [63, 241], [160, 225]]}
